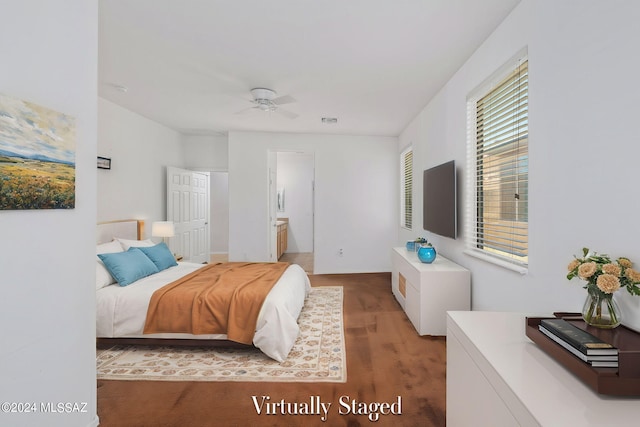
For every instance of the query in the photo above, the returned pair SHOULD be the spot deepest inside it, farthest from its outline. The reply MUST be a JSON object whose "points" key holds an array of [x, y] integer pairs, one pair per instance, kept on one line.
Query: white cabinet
{"points": [[481, 405], [496, 376], [427, 291]]}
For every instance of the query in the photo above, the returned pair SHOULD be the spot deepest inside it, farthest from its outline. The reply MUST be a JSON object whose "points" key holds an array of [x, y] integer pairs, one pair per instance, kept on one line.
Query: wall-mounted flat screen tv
{"points": [[439, 208]]}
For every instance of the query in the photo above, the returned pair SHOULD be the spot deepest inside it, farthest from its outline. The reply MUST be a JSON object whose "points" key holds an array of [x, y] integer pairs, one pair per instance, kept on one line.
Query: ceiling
{"points": [[372, 64]]}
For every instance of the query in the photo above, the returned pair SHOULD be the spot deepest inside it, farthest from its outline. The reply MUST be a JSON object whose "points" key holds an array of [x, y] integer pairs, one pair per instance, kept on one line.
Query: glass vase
{"points": [[427, 254], [601, 310]]}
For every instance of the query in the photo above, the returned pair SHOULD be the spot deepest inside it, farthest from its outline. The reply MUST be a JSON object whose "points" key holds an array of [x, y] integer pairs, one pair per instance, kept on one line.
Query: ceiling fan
{"points": [[266, 100]]}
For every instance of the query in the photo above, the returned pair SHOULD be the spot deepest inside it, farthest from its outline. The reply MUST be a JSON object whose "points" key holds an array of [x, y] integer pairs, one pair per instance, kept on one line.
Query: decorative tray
{"points": [[621, 381]]}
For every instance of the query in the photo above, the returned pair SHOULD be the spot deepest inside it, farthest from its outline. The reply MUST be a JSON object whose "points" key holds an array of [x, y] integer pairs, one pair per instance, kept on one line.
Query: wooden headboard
{"points": [[125, 229]]}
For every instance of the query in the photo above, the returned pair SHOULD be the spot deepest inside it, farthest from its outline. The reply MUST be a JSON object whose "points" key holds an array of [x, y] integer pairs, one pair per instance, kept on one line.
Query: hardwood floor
{"points": [[219, 258], [386, 358], [304, 260]]}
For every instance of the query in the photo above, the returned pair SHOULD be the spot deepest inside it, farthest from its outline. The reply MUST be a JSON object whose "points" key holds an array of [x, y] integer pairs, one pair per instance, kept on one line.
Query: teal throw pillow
{"points": [[160, 255], [127, 267]]}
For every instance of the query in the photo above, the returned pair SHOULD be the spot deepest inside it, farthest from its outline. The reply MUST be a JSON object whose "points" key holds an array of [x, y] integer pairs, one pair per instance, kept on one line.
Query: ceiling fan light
{"points": [[264, 100], [263, 93]]}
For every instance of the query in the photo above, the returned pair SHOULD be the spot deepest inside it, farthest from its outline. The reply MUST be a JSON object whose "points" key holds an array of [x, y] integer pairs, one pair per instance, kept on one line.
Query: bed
{"points": [[121, 311]]}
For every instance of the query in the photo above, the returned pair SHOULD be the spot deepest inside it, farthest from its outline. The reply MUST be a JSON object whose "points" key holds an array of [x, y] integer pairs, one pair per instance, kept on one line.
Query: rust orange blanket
{"points": [[222, 298]]}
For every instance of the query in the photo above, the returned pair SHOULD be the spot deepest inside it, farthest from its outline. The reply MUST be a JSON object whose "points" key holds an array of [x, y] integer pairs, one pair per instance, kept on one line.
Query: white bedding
{"points": [[121, 311]]}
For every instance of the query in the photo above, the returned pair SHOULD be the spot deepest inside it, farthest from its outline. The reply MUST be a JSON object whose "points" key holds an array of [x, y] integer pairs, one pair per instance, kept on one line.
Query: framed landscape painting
{"points": [[37, 156]]}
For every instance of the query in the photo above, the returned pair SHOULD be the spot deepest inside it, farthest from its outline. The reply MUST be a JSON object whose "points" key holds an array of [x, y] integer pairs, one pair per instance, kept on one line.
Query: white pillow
{"points": [[126, 243], [109, 248], [103, 277]]}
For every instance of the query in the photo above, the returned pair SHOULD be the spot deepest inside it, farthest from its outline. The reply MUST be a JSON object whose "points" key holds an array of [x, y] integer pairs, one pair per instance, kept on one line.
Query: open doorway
{"points": [[295, 175], [219, 216]]}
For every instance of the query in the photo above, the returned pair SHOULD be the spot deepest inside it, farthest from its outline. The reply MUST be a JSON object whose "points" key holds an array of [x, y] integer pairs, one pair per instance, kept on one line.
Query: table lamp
{"points": [[163, 229]]}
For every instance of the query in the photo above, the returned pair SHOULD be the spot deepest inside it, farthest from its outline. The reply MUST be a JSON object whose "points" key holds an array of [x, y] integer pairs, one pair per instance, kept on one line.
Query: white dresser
{"points": [[496, 376], [427, 291]]}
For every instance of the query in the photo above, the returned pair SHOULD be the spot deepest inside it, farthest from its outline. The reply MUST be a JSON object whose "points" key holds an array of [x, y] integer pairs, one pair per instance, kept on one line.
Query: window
{"points": [[499, 171], [406, 188]]}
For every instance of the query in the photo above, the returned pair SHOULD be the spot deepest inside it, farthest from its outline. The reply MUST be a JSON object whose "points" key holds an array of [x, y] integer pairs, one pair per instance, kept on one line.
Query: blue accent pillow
{"points": [[127, 267], [161, 256]]}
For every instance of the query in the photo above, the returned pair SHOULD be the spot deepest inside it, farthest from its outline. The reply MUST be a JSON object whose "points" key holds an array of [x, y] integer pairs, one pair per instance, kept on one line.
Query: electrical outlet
{"points": [[340, 252]]}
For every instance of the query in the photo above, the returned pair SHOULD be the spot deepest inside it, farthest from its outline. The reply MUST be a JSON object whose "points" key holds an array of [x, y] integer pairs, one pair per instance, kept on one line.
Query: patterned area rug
{"points": [[317, 356]]}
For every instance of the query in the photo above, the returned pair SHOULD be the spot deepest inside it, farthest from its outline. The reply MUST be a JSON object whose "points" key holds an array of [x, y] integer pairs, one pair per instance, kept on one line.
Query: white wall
{"points": [[140, 150], [295, 176], [47, 309], [583, 148], [206, 152], [355, 198], [219, 215]]}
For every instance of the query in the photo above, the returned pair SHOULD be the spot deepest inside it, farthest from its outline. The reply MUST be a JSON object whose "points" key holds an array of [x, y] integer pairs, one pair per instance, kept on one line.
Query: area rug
{"points": [[317, 356]]}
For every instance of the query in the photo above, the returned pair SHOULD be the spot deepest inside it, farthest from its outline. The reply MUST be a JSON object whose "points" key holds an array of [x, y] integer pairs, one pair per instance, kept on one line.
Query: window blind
{"points": [[407, 188], [501, 169]]}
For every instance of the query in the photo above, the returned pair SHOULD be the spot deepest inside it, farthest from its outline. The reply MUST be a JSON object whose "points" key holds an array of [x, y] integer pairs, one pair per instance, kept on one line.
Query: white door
{"points": [[188, 207], [273, 196], [296, 177]]}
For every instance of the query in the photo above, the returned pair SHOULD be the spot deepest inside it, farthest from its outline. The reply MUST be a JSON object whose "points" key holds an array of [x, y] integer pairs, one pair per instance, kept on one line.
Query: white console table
{"points": [[427, 291], [496, 376]]}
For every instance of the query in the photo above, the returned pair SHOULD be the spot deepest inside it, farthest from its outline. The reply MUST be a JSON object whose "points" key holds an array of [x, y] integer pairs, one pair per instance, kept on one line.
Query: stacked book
{"points": [[581, 343]]}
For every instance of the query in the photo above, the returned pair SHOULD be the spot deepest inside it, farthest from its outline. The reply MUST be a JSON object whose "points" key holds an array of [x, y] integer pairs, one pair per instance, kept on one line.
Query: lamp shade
{"points": [[163, 229]]}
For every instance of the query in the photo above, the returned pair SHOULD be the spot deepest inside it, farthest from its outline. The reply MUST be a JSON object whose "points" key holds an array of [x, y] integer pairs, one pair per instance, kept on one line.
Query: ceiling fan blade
{"points": [[281, 100], [286, 113], [244, 111]]}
